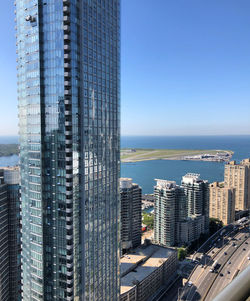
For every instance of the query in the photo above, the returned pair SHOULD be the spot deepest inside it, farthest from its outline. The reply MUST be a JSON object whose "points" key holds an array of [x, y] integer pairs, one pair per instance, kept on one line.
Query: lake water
{"points": [[10, 160], [145, 172]]}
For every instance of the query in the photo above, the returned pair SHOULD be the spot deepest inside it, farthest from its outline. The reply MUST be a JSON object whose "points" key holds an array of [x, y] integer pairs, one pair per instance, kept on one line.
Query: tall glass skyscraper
{"points": [[69, 94]]}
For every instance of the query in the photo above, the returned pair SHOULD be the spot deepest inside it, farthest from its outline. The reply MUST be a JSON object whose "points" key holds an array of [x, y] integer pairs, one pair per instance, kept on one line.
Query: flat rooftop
{"points": [[140, 263]]}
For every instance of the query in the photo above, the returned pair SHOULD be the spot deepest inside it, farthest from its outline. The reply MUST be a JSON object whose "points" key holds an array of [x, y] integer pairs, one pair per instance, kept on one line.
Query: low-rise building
{"points": [[190, 229], [145, 270]]}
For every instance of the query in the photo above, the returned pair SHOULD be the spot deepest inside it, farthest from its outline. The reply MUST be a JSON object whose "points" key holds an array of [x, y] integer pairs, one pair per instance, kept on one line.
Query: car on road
{"points": [[229, 262], [248, 257], [228, 272], [221, 275], [233, 244], [190, 283], [211, 270], [212, 252], [246, 236], [225, 253], [244, 249], [246, 243]]}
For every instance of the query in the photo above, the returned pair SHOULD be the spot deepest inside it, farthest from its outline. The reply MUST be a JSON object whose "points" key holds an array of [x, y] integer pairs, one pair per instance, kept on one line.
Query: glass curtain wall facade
{"points": [[69, 107], [4, 247]]}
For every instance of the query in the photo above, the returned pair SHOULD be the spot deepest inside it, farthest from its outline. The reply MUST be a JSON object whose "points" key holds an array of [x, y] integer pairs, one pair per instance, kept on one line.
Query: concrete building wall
{"points": [[222, 203], [246, 162], [237, 176], [191, 229]]}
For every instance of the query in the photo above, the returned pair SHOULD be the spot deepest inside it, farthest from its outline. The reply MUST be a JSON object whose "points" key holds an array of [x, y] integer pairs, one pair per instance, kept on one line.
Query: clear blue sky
{"points": [[185, 67]]}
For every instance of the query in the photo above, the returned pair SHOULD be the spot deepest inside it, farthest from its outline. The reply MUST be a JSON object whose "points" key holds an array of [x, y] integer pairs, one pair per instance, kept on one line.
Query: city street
{"points": [[230, 251], [204, 284]]}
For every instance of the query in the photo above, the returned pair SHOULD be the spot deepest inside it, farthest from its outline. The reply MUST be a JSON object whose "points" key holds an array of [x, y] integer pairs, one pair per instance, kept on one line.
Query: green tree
{"points": [[182, 253], [148, 219], [214, 225]]}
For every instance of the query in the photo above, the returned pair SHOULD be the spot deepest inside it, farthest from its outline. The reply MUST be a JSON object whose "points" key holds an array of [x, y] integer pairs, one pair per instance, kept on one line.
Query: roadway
{"points": [[238, 261], [203, 284], [213, 249]]}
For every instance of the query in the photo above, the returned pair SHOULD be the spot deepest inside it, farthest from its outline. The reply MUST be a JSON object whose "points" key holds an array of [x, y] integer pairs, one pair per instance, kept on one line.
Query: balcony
{"points": [[68, 113], [69, 237], [66, 19], [66, 10], [66, 28], [67, 101], [67, 184], [69, 281], [68, 141], [67, 56], [69, 227], [69, 247], [66, 37], [67, 66], [68, 133], [67, 48], [69, 194], [69, 265], [69, 290], [67, 92], [67, 74]]}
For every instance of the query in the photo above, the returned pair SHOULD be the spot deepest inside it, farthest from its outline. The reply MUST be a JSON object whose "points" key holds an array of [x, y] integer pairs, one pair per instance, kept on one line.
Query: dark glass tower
{"points": [[10, 242], [131, 195], [68, 92]]}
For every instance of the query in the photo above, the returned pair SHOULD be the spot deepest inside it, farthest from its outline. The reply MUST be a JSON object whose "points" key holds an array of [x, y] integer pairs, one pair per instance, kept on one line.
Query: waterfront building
{"points": [[145, 271], [10, 241], [131, 224], [238, 176], [68, 95], [179, 214], [169, 208], [222, 203], [197, 193]]}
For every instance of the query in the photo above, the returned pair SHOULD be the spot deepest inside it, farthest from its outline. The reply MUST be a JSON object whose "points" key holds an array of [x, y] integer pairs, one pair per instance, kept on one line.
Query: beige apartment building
{"points": [[222, 203], [238, 176]]}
